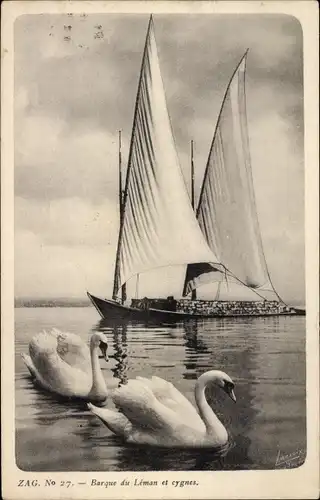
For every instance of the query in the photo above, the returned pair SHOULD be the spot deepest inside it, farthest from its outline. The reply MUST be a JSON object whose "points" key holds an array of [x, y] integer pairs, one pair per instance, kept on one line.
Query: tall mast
{"points": [[121, 194], [125, 193], [137, 286], [192, 177], [194, 292], [116, 271], [120, 173]]}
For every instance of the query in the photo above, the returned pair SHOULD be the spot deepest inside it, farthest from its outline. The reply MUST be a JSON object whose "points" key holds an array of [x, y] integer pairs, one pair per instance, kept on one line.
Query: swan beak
{"points": [[103, 349], [229, 390], [232, 395]]}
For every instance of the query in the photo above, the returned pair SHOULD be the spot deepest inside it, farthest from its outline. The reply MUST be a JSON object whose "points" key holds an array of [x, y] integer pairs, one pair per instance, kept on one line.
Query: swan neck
{"points": [[208, 416], [98, 384]]}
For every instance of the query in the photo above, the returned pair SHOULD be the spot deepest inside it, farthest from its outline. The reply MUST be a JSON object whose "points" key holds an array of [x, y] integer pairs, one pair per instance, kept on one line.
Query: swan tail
{"points": [[28, 362], [37, 379], [116, 422]]}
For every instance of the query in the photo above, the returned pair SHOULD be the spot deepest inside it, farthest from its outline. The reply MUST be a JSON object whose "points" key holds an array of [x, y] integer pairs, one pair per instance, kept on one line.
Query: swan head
{"points": [[220, 379], [99, 340]]}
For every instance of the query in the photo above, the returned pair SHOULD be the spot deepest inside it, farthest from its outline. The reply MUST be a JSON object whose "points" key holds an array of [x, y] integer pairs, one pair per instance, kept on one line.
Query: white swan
{"points": [[154, 412], [62, 363]]}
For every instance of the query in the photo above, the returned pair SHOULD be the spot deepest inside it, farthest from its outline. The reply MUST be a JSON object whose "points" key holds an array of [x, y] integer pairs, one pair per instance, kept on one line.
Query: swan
{"points": [[153, 412], [62, 363]]}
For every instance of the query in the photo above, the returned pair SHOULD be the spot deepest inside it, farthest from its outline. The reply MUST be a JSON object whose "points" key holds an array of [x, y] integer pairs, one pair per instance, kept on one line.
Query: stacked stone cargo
{"points": [[230, 308], [213, 308]]}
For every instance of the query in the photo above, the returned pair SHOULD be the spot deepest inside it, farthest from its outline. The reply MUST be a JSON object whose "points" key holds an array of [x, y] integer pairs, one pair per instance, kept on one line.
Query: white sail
{"points": [[227, 213], [159, 227]]}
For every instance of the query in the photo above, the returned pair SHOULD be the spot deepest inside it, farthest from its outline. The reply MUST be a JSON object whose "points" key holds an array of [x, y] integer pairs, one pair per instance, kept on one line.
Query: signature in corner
{"points": [[289, 459]]}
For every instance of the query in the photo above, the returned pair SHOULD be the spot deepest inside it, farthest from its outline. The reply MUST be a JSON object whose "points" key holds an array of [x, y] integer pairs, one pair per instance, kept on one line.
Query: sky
{"points": [[76, 79]]}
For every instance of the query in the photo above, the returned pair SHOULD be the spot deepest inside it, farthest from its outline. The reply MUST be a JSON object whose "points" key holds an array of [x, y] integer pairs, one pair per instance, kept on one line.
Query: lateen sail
{"points": [[226, 212], [158, 226]]}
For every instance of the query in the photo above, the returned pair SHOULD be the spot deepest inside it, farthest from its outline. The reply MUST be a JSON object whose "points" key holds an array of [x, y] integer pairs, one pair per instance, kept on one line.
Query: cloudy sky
{"points": [[75, 85]]}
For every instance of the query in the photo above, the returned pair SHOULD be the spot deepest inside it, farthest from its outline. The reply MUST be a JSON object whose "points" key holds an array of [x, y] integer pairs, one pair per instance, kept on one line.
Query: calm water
{"points": [[265, 358]]}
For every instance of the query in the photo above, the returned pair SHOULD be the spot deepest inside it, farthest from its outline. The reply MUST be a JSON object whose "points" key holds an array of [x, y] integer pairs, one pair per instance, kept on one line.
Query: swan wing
{"points": [[68, 346], [73, 351], [170, 396], [145, 412], [55, 373], [42, 345], [115, 421], [161, 393]]}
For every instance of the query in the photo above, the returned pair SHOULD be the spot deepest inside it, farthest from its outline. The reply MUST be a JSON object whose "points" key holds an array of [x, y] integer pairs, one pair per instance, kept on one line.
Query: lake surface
{"points": [[264, 356]]}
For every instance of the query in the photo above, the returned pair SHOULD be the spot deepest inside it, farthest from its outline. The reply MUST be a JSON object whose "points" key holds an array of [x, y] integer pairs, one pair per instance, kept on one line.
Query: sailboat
{"points": [[220, 241]]}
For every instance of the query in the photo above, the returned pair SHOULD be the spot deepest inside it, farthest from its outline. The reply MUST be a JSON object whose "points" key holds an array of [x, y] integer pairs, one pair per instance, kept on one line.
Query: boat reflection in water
{"points": [[118, 333]]}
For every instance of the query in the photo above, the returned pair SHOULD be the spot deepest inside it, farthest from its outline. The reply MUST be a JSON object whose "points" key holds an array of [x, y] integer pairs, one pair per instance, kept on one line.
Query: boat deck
{"points": [[151, 309]]}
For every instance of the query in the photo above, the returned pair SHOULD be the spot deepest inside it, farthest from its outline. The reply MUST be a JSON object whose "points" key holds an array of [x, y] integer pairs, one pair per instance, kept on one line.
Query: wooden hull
{"points": [[110, 309]]}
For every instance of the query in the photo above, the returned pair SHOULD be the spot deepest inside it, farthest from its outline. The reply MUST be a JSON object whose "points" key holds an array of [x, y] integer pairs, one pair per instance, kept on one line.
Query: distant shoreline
{"points": [[51, 303]]}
